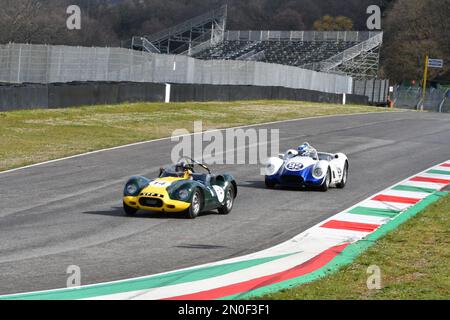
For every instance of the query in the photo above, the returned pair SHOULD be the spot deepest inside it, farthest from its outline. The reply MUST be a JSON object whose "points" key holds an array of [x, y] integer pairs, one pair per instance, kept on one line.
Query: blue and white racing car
{"points": [[305, 167]]}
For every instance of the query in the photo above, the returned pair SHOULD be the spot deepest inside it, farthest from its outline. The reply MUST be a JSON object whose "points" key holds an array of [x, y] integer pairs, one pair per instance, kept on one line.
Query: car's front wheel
{"points": [[341, 185], [129, 211], [196, 204], [269, 185], [228, 202], [326, 184]]}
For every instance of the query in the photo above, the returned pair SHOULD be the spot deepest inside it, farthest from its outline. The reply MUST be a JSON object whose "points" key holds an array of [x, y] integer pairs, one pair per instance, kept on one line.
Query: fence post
{"points": [[167, 98], [47, 49], [19, 65], [373, 91]]}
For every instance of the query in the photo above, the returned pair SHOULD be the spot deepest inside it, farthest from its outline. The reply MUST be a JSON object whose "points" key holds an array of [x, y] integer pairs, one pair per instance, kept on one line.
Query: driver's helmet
{"points": [[304, 149], [291, 154], [182, 166]]}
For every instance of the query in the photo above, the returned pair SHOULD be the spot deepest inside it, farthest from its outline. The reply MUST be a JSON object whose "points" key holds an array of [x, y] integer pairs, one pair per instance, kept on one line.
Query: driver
{"points": [[184, 167], [306, 150]]}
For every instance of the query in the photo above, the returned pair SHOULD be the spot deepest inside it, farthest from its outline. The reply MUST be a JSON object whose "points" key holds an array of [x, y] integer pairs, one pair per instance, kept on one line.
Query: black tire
{"points": [[269, 185], [326, 184], [341, 185], [129, 211], [228, 201], [196, 204]]}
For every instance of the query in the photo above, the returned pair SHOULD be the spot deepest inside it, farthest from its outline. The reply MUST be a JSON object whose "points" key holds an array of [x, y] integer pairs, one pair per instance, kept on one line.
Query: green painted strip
{"points": [[439, 172], [388, 213], [414, 189], [350, 253], [169, 279]]}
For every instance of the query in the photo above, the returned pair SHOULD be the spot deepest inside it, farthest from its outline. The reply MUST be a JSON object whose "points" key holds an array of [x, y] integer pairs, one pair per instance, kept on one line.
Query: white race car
{"points": [[313, 169]]}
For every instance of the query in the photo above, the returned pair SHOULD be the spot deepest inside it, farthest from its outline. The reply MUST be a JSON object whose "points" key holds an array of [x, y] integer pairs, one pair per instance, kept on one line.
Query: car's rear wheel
{"points": [[129, 211], [228, 202], [196, 204], [326, 184], [341, 185]]}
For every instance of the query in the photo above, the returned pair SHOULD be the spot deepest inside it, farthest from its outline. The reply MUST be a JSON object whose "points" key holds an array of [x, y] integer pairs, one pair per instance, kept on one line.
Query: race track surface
{"points": [[69, 212]]}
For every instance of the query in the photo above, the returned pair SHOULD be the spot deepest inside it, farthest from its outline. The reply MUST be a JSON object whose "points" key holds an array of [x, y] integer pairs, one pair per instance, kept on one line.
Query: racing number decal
{"points": [[220, 193], [160, 184], [294, 166]]}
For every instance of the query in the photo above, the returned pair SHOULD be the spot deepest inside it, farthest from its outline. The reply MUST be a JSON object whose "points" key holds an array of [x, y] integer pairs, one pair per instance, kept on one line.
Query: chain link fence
{"points": [[377, 90], [25, 63], [437, 100]]}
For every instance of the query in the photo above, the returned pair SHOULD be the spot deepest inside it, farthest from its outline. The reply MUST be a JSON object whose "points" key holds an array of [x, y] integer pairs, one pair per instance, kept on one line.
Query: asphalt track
{"points": [[69, 212]]}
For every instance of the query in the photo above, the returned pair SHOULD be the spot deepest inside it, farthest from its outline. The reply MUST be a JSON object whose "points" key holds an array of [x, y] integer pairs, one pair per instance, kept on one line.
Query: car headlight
{"points": [[318, 172], [131, 189], [183, 194]]}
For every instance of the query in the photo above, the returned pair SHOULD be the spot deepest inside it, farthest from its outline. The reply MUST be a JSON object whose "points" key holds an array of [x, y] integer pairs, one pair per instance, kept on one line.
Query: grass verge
{"points": [[32, 136], [414, 262]]}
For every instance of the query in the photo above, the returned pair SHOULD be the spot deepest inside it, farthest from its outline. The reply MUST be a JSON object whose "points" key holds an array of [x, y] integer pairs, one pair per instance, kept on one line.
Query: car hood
{"points": [[298, 164], [160, 185]]}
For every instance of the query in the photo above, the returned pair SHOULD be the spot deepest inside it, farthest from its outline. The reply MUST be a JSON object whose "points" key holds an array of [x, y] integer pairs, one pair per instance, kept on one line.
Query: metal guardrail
{"points": [[145, 44], [306, 36], [222, 11], [350, 53], [203, 42]]}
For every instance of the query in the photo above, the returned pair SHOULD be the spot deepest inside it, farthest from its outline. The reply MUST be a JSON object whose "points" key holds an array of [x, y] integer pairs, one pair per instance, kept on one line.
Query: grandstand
{"points": [[205, 37], [202, 31], [293, 53]]}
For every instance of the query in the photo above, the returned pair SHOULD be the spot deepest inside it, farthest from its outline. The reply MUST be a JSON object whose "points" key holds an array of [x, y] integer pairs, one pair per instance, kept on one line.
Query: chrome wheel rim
{"points": [[229, 202], [344, 179], [195, 203]]}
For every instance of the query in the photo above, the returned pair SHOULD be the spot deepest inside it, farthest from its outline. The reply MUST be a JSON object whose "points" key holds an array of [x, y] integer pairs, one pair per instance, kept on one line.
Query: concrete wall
{"points": [[61, 95], [183, 92]]}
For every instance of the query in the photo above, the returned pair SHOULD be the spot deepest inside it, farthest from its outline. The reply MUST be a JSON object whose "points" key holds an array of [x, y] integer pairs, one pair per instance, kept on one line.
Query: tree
{"points": [[413, 29], [288, 20], [17, 20], [329, 23]]}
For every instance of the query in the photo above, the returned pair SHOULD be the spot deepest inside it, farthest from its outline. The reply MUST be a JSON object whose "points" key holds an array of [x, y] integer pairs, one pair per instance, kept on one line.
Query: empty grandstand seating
{"points": [[294, 53], [354, 53]]}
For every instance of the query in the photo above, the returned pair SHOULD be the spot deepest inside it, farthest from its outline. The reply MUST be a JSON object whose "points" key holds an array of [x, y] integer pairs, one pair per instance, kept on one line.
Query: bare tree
{"points": [[413, 29], [17, 20]]}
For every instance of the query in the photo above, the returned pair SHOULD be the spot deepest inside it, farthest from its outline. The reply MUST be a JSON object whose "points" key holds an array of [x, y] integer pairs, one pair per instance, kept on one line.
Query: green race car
{"points": [[180, 188]]}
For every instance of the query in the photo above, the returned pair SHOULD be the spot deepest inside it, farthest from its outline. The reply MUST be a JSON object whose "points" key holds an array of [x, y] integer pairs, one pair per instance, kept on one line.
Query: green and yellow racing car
{"points": [[180, 188]]}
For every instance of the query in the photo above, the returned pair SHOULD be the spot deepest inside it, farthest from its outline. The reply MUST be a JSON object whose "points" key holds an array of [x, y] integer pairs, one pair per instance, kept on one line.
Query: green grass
{"points": [[32, 136], [414, 262]]}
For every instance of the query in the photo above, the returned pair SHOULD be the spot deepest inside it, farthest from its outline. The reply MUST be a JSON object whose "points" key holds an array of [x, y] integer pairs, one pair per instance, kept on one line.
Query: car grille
{"points": [[151, 202], [152, 195], [292, 180]]}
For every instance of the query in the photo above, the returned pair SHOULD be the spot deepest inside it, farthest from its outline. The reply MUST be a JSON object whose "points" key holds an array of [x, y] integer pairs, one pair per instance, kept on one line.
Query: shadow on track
{"points": [[262, 185], [200, 246], [119, 213]]}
